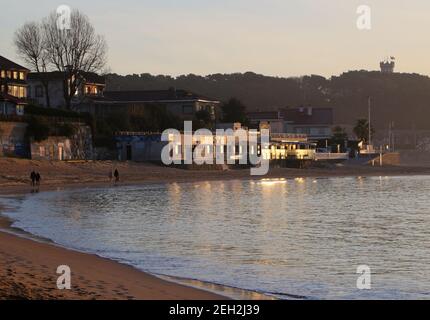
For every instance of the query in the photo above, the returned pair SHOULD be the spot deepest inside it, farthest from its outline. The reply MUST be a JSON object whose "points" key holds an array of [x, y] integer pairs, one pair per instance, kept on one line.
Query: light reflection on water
{"points": [[301, 237]]}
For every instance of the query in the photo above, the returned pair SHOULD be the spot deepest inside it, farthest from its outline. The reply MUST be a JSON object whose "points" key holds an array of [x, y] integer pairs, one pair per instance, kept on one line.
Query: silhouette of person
{"points": [[33, 178], [38, 178], [116, 175]]}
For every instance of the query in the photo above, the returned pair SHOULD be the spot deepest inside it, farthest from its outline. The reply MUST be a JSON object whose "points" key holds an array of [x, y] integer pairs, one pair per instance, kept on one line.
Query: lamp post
{"points": [[369, 102]]}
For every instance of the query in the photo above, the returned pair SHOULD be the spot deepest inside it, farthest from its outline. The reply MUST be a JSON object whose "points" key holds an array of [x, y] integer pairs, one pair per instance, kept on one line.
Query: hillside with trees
{"points": [[399, 97]]}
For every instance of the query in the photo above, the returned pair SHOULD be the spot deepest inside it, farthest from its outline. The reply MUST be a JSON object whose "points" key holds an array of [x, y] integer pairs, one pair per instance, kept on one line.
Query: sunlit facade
{"points": [[13, 88]]}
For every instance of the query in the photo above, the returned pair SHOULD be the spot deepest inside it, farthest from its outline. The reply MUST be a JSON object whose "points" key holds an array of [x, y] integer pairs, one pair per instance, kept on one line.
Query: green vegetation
{"points": [[40, 128], [339, 135], [153, 118], [234, 111], [361, 130], [34, 110]]}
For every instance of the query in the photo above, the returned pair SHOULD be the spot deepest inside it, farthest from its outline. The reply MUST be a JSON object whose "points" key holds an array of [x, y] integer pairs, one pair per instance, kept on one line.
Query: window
{"points": [[22, 93], [9, 74], [3, 74], [20, 110], [22, 76], [15, 74], [39, 91]]}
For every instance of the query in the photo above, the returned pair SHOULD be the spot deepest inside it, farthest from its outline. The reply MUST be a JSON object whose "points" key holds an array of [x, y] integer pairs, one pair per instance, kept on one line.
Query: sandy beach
{"points": [[28, 267], [28, 271]]}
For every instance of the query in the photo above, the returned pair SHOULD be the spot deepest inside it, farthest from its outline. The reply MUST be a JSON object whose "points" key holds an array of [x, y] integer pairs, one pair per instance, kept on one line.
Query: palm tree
{"points": [[361, 130]]}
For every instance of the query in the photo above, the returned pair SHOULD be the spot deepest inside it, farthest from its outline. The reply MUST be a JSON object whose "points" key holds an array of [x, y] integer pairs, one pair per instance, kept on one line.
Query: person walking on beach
{"points": [[116, 175], [38, 178], [33, 178]]}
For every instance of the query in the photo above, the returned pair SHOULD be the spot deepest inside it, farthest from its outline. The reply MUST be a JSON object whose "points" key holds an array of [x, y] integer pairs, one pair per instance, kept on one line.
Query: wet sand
{"points": [[28, 267]]}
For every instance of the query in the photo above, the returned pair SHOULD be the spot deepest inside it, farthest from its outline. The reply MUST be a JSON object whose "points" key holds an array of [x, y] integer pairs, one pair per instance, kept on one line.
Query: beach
{"points": [[28, 271], [28, 267]]}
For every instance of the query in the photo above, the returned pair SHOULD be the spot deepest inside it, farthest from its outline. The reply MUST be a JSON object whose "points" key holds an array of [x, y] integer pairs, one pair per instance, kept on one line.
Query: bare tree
{"points": [[74, 51], [30, 45]]}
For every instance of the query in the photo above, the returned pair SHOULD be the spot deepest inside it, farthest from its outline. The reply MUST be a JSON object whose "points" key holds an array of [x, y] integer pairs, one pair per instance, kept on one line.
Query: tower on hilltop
{"points": [[387, 65]]}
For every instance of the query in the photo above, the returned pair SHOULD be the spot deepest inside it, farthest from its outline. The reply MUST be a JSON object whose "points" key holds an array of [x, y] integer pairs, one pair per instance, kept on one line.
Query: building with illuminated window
{"points": [[13, 87], [91, 86]]}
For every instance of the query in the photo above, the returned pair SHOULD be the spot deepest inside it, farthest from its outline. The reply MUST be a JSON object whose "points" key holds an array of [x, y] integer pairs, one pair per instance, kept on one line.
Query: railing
{"points": [[331, 156]]}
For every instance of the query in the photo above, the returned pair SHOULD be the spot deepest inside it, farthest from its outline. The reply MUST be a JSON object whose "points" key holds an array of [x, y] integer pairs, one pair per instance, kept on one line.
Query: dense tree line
{"points": [[399, 97]]}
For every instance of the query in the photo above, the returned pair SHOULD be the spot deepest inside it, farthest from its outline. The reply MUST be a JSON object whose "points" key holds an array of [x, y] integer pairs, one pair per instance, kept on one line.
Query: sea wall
{"points": [[13, 140]]}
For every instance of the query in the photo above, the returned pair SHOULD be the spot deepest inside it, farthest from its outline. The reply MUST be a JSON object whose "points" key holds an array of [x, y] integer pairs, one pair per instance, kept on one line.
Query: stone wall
{"points": [[77, 147]]}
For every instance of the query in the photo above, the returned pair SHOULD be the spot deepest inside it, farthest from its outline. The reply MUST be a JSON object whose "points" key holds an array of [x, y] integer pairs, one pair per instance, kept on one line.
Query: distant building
{"points": [[272, 120], [283, 149], [13, 87], [387, 66], [92, 87], [230, 125], [181, 103], [316, 123]]}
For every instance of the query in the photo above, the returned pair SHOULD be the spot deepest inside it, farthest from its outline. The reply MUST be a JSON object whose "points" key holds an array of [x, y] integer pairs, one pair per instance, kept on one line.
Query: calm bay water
{"points": [[300, 237]]}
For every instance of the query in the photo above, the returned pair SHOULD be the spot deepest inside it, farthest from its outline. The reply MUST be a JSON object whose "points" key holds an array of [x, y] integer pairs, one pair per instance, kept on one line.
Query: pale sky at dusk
{"points": [[272, 37]]}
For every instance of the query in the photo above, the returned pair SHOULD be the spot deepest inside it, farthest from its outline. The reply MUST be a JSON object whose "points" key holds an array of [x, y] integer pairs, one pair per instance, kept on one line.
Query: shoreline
{"points": [[25, 268], [211, 291], [28, 272]]}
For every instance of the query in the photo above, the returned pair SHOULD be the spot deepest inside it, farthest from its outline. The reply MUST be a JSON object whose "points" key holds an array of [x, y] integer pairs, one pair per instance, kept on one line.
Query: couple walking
{"points": [[35, 178]]}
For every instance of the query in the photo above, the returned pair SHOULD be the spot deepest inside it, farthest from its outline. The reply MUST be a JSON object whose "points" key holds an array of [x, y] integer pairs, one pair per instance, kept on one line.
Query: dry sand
{"points": [[28, 267]]}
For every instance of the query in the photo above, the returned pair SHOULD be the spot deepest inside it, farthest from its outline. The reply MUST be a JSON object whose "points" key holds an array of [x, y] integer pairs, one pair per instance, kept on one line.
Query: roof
{"points": [[57, 75], [155, 96], [265, 115], [6, 64], [90, 77], [309, 116]]}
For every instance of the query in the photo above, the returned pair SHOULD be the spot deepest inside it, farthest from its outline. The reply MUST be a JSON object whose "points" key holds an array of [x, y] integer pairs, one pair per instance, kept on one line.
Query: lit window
{"points": [[20, 110], [42, 151], [22, 76], [3, 74], [22, 92], [15, 74]]}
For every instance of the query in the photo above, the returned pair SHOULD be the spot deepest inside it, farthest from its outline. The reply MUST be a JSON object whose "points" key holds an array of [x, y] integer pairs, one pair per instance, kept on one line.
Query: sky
{"points": [[272, 37]]}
